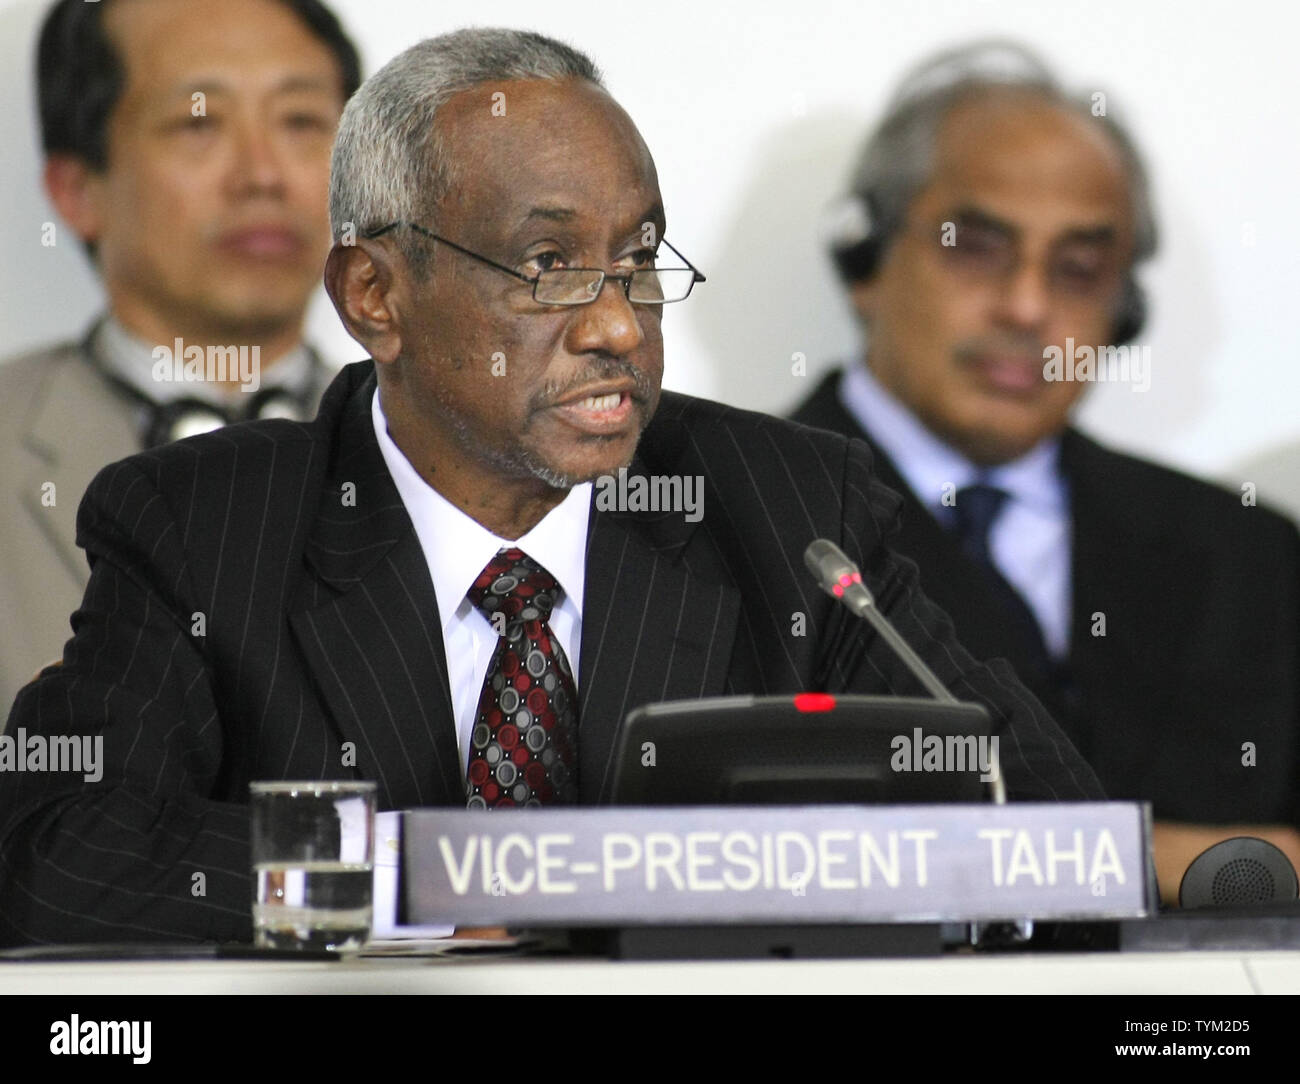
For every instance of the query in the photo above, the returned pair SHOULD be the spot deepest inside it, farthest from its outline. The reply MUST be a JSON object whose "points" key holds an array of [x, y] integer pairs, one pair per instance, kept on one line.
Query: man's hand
{"points": [[1177, 845]]}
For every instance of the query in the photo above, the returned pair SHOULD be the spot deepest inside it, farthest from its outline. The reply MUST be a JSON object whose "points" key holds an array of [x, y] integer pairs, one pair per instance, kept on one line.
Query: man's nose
{"points": [[1025, 297], [257, 163], [609, 324]]}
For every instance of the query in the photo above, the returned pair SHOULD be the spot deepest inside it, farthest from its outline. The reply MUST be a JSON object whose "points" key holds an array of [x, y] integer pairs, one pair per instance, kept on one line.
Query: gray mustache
{"points": [[614, 368]]}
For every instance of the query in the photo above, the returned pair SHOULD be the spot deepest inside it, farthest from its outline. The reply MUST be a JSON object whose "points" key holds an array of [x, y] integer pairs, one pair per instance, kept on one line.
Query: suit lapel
{"points": [[959, 588], [651, 629], [945, 573], [369, 627], [823, 409], [77, 427], [947, 576]]}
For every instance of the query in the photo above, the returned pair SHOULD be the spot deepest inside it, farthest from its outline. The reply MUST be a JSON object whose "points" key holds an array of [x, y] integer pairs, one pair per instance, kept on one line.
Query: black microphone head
{"points": [[1242, 870]]}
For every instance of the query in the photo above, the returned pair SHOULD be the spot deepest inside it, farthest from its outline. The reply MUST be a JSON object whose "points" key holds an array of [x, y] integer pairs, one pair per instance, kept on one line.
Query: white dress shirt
{"points": [[457, 548], [132, 361], [1029, 540]]}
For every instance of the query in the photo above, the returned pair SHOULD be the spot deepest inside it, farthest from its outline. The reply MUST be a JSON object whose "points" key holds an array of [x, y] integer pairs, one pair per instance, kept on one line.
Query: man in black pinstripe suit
{"points": [[265, 601]]}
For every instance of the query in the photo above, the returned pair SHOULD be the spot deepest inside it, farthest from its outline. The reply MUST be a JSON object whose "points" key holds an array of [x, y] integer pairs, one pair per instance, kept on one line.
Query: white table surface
{"points": [[1097, 973]]}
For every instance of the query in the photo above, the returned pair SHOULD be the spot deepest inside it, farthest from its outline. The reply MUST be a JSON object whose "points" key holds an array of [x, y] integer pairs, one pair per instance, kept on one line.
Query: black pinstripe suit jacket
{"points": [[320, 627]]}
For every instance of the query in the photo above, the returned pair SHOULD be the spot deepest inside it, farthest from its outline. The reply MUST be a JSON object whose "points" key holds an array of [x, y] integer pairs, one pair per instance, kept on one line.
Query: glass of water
{"points": [[313, 862]]}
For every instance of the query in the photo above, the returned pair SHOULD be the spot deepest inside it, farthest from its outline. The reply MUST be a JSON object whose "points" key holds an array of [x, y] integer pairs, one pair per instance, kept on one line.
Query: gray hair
{"points": [[896, 161], [389, 162]]}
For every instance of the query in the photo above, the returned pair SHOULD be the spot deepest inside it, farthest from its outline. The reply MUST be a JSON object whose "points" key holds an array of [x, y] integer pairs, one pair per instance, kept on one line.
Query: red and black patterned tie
{"points": [[523, 746]]}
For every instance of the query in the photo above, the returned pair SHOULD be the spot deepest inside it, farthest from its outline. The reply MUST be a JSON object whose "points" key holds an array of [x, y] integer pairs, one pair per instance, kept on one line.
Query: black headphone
{"points": [[187, 416], [859, 244]]}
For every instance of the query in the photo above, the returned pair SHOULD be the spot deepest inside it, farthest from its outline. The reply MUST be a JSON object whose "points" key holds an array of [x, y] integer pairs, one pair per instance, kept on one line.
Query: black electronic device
{"points": [[808, 748], [1238, 872]]}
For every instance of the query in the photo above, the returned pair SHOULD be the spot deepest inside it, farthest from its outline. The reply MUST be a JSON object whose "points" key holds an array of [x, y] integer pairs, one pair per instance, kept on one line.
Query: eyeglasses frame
{"points": [[625, 279]]}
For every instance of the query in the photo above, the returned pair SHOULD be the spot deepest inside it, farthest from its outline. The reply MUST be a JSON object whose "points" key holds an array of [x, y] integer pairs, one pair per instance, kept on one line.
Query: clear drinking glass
{"points": [[313, 864]]}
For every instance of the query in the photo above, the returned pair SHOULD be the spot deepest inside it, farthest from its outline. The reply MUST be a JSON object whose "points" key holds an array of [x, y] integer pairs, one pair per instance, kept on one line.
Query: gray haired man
{"points": [[999, 224], [419, 587]]}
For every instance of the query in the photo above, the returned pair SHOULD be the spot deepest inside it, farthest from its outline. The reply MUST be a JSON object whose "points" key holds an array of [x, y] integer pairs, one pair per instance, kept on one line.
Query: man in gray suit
{"points": [[187, 145]]}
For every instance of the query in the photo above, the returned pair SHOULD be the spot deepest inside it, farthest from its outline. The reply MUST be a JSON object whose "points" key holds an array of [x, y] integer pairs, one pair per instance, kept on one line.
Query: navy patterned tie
{"points": [[523, 748]]}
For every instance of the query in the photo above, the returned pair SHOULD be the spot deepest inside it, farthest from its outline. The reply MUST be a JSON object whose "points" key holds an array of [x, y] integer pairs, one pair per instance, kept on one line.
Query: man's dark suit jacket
{"points": [[319, 626], [1201, 601]]}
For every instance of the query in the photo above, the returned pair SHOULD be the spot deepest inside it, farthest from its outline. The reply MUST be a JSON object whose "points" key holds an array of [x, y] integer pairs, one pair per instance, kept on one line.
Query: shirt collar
{"points": [[928, 464], [131, 360], [457, 548], [1035, 479]]}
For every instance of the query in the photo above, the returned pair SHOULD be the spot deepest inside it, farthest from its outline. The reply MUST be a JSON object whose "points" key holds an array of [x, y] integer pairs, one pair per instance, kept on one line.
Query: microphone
{"points": [[840, 578], [1238, 871]]}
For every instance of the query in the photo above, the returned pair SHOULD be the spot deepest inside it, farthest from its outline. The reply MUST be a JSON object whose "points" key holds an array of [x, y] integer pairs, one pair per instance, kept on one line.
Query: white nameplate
{"points": [[805, 864]]}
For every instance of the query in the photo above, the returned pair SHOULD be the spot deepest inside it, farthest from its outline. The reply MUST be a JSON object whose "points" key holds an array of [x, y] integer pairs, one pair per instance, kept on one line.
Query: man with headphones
{"points": [[993, 229], [187, 145]]}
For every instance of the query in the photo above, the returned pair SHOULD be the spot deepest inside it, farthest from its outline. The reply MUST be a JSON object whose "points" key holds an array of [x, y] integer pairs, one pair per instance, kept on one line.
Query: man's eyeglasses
{"points": [[1081, 266], [582, 285]]}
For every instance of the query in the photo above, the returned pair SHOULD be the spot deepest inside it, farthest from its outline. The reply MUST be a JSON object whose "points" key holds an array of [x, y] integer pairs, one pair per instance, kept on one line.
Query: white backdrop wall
{"points": [[753, 111]]}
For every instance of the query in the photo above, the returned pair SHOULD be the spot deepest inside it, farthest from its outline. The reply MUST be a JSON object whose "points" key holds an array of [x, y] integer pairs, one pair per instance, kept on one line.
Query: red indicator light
{"points": [[814, 702], [839, 591]]}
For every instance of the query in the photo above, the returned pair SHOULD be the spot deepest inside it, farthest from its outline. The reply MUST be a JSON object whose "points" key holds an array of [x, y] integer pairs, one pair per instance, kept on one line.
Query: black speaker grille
{"points": [[1243, 880]]}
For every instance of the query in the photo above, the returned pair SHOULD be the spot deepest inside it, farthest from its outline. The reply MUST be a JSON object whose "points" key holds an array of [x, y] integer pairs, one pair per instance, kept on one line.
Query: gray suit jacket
{"points": [[60, 422]]}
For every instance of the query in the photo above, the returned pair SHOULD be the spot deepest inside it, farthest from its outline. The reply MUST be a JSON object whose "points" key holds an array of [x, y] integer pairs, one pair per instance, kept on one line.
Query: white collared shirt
{"points": [[131, 360], [457, 548], [1030, 539]]}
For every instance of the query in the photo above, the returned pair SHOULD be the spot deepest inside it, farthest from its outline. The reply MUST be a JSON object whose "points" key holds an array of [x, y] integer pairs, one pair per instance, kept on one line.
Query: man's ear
{"points": [[364, 281], [75, 190]]}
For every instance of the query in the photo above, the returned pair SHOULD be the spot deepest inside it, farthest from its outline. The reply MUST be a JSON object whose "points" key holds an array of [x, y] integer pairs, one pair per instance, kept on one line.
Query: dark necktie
{"points": [[523, 748], [976, 510]]}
